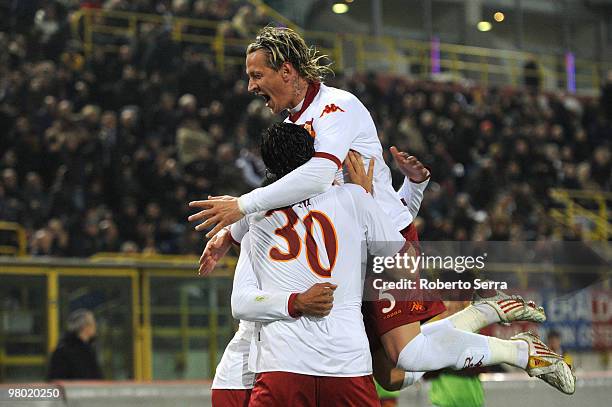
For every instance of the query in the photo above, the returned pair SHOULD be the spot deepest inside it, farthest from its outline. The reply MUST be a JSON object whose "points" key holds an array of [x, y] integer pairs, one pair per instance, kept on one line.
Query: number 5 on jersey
{"points": [[294, 243]]}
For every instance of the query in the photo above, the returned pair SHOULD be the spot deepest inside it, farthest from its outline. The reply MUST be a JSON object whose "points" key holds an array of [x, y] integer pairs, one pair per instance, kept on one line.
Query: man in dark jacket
{"points": [[75, 358]]}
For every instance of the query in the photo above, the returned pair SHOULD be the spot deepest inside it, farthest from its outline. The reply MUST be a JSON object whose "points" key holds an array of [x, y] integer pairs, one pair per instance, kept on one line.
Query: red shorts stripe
{"points": [[329, 157]]}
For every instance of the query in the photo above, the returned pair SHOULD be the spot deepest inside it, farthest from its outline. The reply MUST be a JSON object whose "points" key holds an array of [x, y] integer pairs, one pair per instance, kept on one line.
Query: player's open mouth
{"points": [[266, 98]]}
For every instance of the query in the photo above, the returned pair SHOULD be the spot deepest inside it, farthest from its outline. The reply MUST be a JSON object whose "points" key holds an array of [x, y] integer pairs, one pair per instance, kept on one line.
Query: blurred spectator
{"points": [[51, 29], [190, 139], [129, 247], [36, 199], [75, 357], [606, 97], [531, 73]]}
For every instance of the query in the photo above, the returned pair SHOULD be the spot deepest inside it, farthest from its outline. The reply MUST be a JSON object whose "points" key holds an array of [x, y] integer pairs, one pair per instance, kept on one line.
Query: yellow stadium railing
{"points": [[348, 51], [20, 246], [144, 279], [590, 205]]}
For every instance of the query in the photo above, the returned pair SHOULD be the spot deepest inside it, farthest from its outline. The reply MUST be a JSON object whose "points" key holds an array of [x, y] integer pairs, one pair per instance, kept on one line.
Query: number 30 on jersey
{"points": [[294, 243]]}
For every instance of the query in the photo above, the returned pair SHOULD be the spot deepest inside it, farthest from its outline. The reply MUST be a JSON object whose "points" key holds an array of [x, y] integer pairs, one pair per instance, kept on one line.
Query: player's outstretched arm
{"points": [[220, 211], [416, 179], [336, 132], [409, 165], [306, 181], [215, 249], [219, 245]]}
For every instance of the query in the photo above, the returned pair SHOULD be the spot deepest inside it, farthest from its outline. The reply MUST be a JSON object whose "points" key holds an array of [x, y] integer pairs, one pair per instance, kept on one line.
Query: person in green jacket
{"points": [[455, 388], [450, 389]]}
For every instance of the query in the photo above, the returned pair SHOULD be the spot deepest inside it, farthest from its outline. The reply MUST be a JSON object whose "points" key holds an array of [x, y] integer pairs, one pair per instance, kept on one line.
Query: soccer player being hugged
{"points": [[287, 74]]}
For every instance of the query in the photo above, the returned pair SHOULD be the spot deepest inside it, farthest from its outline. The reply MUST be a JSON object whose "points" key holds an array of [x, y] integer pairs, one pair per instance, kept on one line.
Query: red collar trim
{"points": [[311, 92]]}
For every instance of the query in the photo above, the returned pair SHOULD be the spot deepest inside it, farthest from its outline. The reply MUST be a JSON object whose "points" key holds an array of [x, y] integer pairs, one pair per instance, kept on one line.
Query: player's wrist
{"points": [[424, 177], [294, 306], [241, 205], [230, 238]]}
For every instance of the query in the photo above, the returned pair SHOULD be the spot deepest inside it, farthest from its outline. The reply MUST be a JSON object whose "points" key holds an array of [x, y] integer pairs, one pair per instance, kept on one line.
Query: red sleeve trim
{"points": [[291, 306], [329, 157], [234, 241]]}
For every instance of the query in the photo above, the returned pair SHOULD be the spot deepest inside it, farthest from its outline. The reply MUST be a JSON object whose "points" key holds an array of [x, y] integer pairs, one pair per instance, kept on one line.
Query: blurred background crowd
{"points": [[103, 153]]}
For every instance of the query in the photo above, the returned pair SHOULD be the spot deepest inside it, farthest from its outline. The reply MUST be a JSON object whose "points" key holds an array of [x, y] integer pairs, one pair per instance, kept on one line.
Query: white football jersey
{"points": [[233, 370], [323, 239], [253, 304], [339, 121]]}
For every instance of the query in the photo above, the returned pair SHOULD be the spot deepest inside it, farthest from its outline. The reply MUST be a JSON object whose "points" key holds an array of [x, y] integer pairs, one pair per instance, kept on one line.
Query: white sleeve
{"points": [[239, 229], [382, 236], [412, 193], [312, 178], [249, 302], [336, 128]]}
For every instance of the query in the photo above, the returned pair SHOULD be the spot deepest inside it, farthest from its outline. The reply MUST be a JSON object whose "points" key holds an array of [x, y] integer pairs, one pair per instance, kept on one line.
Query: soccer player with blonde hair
{"points": [[286, 73]]}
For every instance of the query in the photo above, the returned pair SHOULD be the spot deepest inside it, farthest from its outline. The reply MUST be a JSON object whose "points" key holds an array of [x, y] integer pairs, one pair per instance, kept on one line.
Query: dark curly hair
{"points": [[284, 147]]}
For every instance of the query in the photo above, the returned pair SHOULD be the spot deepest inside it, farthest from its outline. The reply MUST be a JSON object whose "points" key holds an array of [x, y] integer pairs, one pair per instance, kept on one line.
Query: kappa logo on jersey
{"points": [[331, 109], [308, 126], [417, 306]]}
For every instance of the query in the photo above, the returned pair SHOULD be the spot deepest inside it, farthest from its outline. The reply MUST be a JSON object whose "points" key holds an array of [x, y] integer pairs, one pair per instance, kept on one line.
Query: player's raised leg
{"points": [[488, 306], [445, 344]]}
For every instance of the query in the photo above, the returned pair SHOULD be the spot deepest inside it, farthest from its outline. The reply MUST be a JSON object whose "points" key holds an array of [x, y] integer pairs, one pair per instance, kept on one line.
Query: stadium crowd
{"points": [[102, 153]]}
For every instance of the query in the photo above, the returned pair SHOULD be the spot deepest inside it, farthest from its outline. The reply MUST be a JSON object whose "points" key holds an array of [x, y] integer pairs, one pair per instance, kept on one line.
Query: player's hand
{"points": [[221, 211], [409, 165], [317, 301], [215, 249], [356, 170]]}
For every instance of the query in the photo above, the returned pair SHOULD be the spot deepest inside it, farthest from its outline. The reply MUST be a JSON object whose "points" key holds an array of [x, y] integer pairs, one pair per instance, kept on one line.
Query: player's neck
{"points": [[300, 87]]}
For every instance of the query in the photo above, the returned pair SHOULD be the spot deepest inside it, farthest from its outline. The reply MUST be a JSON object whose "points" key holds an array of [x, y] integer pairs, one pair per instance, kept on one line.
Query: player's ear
{"points": [[287, 71]]}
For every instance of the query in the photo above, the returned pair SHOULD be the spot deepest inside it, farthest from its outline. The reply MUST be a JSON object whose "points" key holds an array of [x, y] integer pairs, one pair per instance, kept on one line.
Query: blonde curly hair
{"points": [[285, 45]]}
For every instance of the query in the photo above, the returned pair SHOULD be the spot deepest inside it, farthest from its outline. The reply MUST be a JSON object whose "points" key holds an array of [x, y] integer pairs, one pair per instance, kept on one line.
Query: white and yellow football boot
{"points": [[547, 365], [512, 308]]}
